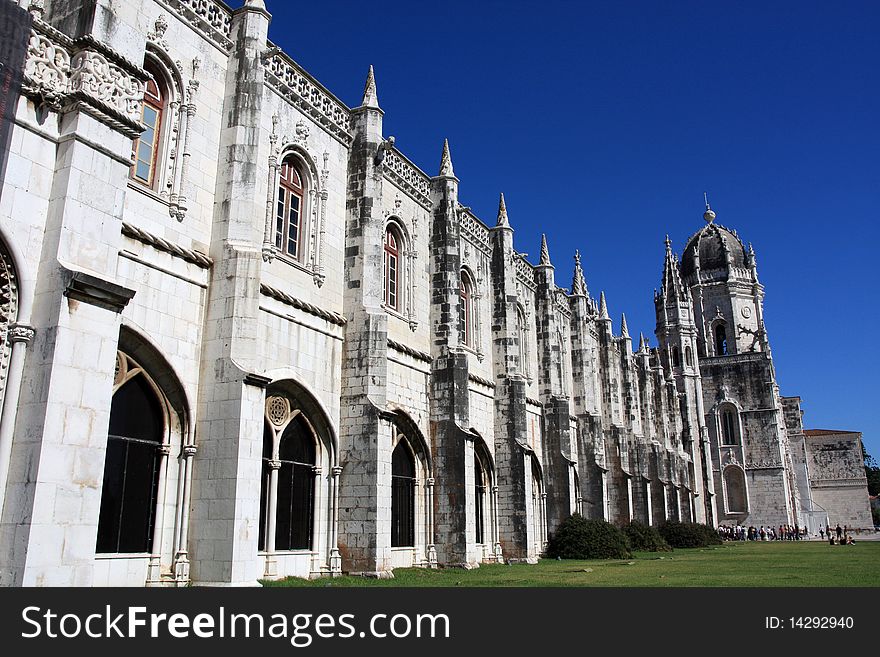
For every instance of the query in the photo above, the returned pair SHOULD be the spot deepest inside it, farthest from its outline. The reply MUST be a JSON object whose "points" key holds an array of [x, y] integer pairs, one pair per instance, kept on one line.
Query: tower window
{"points": [[688, 357], [289, 209], [676, 357], [392, 268], [720, 340], [729, 425], [466, 310]]}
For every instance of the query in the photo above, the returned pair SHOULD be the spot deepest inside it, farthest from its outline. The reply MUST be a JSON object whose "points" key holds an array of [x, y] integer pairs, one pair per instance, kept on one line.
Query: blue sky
{"points": [[604, 123]]}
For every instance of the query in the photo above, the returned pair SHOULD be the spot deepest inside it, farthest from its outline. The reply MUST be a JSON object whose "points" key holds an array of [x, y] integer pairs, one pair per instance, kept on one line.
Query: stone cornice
{"points": [[409, 351], [194, 257], [481, 381], [326, 315]]}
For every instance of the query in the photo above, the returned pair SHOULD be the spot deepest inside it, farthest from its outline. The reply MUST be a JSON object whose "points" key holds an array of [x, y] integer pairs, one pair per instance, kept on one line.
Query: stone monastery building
{"points": [[244, 337]]}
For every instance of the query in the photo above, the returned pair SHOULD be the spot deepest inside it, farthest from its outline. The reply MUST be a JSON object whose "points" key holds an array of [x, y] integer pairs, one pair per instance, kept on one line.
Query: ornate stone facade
{"points": [[328, 362]]}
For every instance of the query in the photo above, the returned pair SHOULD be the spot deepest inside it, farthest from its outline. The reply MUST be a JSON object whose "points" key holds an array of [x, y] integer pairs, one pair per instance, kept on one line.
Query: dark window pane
{"points": [[131, 476], [402, 496], [136, 413], [111, 496], [297, 444], [264, 502]]}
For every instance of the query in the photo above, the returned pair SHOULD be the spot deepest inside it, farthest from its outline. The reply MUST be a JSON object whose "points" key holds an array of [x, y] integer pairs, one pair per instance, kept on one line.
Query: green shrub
{"points": [[688, 534], [579, 538], [645, 538]]}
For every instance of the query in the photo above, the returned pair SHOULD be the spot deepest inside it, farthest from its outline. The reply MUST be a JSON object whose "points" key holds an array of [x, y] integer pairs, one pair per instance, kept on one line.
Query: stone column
{"points": [[58, 445], [453, 447], [513, 469], [228, 469], [557, 453], [184, 496], [335, 557], [366, 431], [20, 335], [154, 572], [272, 519]]}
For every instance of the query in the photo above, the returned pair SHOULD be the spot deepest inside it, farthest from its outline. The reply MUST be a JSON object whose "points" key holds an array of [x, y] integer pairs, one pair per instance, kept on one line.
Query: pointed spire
{"points": [[603, 307], [624, 329], [578, 284], [672, 287], [446, 161], [545, 254], [370, 97], [502, 212], [643, 344]]}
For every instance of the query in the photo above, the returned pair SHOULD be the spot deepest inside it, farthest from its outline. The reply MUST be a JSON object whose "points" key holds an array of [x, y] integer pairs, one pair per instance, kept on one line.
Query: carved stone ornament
{"points": [[302, 133], [277, 410], [93, 75], [157, 35], [21, 333], [47, 67]]}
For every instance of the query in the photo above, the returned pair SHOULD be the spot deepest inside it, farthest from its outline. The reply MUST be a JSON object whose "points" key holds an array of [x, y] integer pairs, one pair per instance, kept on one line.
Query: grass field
{"points": [[810, 563]]}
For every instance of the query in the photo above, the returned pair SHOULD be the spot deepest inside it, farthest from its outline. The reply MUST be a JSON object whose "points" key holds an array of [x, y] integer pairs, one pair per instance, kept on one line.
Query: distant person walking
{"points": [[839, 531]]}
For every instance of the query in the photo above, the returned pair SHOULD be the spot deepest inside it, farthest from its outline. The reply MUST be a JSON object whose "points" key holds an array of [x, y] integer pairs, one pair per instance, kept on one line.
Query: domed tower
{"points": [[750, 455], [727, 297]]}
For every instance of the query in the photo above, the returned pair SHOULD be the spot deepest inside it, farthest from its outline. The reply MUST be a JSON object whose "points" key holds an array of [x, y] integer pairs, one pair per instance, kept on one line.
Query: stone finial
{"points": [[709, 214], [545, 254], [578, 284], [446, 161], [603, 306], [370, 97], [624, 329], [256, 4], [643, 344], [502, 212]]}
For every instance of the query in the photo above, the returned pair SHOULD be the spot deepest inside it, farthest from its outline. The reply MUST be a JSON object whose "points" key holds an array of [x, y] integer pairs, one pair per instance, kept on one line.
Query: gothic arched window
{"points": [[720, 339], [466, 318], [131, 465], [288, 482], [392, 276], [688, 357], [146, 148], [676, 357], [729, 425], [290, 210], [403, 495]]}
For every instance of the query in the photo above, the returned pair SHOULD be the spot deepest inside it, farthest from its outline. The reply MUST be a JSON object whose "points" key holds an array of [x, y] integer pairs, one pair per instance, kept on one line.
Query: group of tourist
{"points": [[839, 537], [784, 533]]}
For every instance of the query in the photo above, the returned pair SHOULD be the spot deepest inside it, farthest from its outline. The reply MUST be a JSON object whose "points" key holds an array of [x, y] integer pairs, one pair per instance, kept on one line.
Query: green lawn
{"points": [[732, 564]]}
